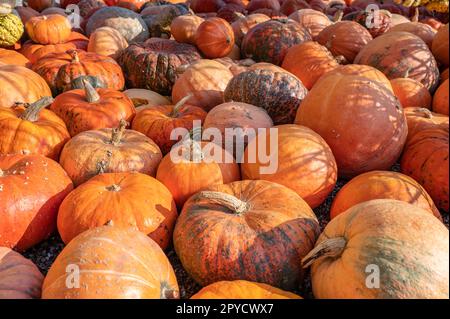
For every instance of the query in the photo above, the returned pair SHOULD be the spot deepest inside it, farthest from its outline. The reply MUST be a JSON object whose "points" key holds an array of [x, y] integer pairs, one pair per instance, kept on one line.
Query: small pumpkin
{"points": [[13, 57], [422, 30], [183, 28], [143, 99], [411, 93], [440, 44], [214, 38], [244, 23], [88, 7], [48, 29], [11, 29], [440, 99], [314, 21], [106, 41]]}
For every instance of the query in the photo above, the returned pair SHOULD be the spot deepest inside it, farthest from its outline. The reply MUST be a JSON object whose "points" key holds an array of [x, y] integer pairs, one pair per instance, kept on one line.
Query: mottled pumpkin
{"points": [[440, 44], [422, 30], [314, 21], [11, 29], [48, 29], [411, 93], [440, 99]]}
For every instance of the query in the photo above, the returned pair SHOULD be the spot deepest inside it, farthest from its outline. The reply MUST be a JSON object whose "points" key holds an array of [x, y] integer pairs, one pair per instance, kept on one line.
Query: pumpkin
{"points": [[312, 20], [32, 188], [397, 19], [183, 28], [88, 7], [20, 84], [48, 29], [432, 22], [382, 185], [386, 237], [361, 120], [206, 80], [106, 41], [92, 109], [135, 5], [13, 57], [440, 99], [158, 17], [242, 289], [344, 38], [143, 99], [11, 29], [246, 230], [290, 6], [204, 6], [279, 93], [30, 128], [214, 38], [130, 24], [153, 65], [444, 75], [65, 3], [109, 151], [439, 46], [19, 277], [39, 5], [60, 68], [309, 61], [411, 93], [423, 31], [421, 118], [235, 65], [376, 23], [401, 55], [263, 4], [132, 266], [244, 23], [269, 41], [159, 121], [302, 161], [208, 162], [228, 12]]}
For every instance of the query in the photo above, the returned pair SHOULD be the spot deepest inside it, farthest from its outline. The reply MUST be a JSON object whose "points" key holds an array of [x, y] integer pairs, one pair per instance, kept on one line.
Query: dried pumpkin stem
{"points": [[113, 188], [180, 103], [32, 110], [338, 15], [91, 94], [1, 173], [331, 248], [238, 15], [117, 132], [229, 201], [167, 293], [426, 112], [415, 17], [75, 57]]}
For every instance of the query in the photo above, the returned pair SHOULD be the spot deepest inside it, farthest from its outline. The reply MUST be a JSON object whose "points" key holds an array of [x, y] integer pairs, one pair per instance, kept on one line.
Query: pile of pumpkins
{"points": [[88, 104]]}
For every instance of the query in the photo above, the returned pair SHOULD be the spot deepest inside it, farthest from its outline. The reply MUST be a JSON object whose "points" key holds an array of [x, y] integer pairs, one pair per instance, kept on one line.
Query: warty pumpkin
{"points": [[31, 189], [132, 266], [48, 29], [422, 30], [440, 99], [11, 29], [183, 28], [386, 237], [314, 21], [214, 38], [106, 41], [13, 57], [411, 93], [246, 230], [244, 23], [440, 44]]}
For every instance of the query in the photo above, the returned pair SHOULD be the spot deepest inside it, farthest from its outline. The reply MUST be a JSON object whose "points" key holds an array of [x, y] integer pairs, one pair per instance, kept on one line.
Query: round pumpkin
{"points": [[411, 93], [132, 266], [143, 99], [214, 38], [13, 57], [312, 20], [106, 41], [440, 44], [48, 29], [242, 289], [31, 189], [385, 238], [158, 17], [244, 23], [422, 30], [19, 277], [376, 22], [419, 119], [440, 99], [361, 120], [11, 29], [39, 5], [183, 28], [246, 230]]}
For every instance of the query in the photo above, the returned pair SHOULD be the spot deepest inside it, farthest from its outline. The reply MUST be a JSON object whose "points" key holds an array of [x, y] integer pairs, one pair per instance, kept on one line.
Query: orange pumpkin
{"points": [[444, 75], [420, 119], [106, 41], [244, 23], [440, 44], [440, 99], [422, 30], [214, 38], [183, 28], [313, 20], [48, 29], [31, 189], [411, 93], [13, 57], [113, 263], [39, 5]]}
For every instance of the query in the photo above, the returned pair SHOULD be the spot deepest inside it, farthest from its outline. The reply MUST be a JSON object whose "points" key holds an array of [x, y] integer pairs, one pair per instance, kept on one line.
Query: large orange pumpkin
{"points": [[214, 38], [411, 93], [381, 249], [246, 230], [440, 99], [361, 120], [440, 44], [31, 189], [112, 263], [48, 29], [13, 57], [314, 21]]}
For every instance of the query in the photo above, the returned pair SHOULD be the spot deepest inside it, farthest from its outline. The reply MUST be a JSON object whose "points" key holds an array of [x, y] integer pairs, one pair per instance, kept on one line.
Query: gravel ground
{"points": [[45, 253]]}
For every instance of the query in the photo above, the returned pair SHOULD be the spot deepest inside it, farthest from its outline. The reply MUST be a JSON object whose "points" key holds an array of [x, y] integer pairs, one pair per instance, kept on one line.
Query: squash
{"points": [[214, 38], [301, 161], [312, 20], [246, 230], [19, 277], [184, 28], [48, 29], [444, 75], [88, 7], [382, 244], [440, 99], [106, 41], [440, 44], [39, 5], [361, 120], [244, 23], [422, 30], [32, 188], [132, 266], [411, 93], [420, 119], [143, 99], [13, 57], [11, 29]]}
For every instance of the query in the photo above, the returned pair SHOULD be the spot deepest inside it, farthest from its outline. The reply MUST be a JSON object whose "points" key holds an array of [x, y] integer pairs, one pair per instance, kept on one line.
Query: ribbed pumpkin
{"points": [[92, 109], [279, 93], [361, 120], [382, 185], [107, 41], [309, 61], [301, 161], [269, 41], [19, 277], [13, 57], [440, 99], [244, 23], [206, 80], [30, 128], [246, 230], [214, 38], [314, 21], [109, 151], [422, 30], [152, 65], [384, 242], [31, 189], [207, 162], [440, 44], [132, 266], [401, 55], [48, 29], [420, 119], [183, 28], [11, 29], [242, 289], [411, 93], [59, 69]]}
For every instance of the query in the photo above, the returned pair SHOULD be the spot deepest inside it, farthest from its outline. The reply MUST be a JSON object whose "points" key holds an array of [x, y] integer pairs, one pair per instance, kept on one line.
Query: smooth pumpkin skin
{"points": [[362, 122], [263, 243], [382, 185], [134, 153], [242, 25], [214, 38], [305, 162], [444, 75], [207, 164], [314, 21], [13, 57], [440, 99], [420, 119], [184, 28], [106, 41], [422, 30], [242, 289], [33, 187], [19, 277], [411, 93], [48, 29], [132, 266], [393, 235], [440, 44]]}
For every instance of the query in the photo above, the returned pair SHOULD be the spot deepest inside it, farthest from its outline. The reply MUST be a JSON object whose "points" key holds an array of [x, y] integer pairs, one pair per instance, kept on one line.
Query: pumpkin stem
{"points": [[117, 132], [32, 110], [113, 188], [238, 15], [167, 293], [341, 59], [332, 248], [92, 95], [338, 15], [182, 68], [407, 72], [415, 17], [180, 103], [426, 112], [75, 57], [229, 201], [1, 173]]}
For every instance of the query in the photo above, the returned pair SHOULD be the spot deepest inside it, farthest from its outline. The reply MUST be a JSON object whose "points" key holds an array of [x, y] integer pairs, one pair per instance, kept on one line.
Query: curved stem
{"points": [[1, 173], [331, 248], [338, 15], [32, 110], [91, 94], [426, 112], [113, 188], [117, 132], [179, 104], [75, 57], [415, 17], [167, 293], [229, 201]]}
